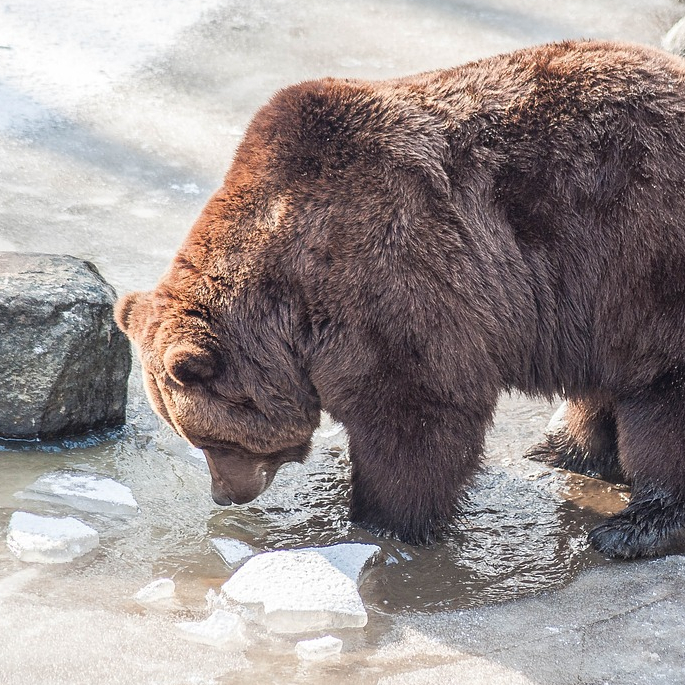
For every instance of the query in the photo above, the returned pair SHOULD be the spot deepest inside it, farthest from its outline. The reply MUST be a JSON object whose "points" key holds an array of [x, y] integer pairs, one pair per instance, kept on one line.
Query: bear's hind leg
{"points": [[651, 440], [581, 437]]}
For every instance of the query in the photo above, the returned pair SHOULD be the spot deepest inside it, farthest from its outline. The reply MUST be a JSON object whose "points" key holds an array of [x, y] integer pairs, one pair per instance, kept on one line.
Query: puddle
{"points": [[525, 533]]}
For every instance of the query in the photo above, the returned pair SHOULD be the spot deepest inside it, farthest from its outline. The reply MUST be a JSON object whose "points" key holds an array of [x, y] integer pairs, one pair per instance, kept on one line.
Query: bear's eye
{"points": [[195, 313], [237, 401], [242, 403], [248, 403]]}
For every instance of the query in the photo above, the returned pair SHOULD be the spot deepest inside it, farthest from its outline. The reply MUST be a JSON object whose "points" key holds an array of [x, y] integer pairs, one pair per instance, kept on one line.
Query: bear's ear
{"points": [[191, 364], [128, 311]]}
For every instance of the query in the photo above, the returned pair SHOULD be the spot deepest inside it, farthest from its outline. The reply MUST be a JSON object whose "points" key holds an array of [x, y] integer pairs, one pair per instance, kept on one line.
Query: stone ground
{"points": [[117, 122]]}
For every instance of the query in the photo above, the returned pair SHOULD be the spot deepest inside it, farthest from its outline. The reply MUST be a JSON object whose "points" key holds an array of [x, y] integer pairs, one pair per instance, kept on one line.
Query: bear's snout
{"points": [[237, 478]]}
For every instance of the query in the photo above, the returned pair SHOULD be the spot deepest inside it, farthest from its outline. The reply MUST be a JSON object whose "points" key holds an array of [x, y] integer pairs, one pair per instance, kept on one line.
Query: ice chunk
{"points": [[319, 649], [49, 540], [215, 601], [232, 551], [156, 591], [350, 558], [221, 629], [302, 590], [84, 491]]}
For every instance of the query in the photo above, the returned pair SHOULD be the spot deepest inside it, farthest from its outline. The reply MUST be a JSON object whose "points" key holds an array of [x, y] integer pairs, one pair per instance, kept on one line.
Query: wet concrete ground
{"points": [[110, 143]]}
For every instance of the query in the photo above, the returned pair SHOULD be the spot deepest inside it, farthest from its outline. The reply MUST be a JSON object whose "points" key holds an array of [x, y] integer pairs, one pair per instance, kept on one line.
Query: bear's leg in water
{"points": [[651, 443], [410, 482]]}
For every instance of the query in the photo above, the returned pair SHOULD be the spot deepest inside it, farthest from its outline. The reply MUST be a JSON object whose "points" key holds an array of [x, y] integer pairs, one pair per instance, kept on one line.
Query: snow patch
{"points": [[61, 53]]}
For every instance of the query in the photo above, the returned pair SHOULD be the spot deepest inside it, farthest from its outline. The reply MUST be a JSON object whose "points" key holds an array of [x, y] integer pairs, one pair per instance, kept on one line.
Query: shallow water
{"points": [[525, 533]]}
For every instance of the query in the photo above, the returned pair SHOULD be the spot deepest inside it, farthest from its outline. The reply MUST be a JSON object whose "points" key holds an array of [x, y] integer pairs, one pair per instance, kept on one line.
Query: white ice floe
{"points": [[232, 551], [319, 649], [84, 491], [350, 558], [49, 540], [221, 629], [158, 590], [294, 591]]}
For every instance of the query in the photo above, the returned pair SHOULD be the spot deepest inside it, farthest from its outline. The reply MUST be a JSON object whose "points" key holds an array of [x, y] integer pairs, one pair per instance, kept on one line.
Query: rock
{"points": [[674, 40], [158, 590], [49, 540], [319, 649], [65, 364], [232, 551], [221, 629], [294, 591], [84, 491]]}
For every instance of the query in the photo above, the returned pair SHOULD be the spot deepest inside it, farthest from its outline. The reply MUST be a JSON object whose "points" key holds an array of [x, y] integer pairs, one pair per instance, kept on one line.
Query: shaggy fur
{"points": [[400, 252]]}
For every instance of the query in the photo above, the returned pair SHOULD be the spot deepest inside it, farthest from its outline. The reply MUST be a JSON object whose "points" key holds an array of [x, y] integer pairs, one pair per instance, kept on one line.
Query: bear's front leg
{"points": [[651, 442], [410, 482]]}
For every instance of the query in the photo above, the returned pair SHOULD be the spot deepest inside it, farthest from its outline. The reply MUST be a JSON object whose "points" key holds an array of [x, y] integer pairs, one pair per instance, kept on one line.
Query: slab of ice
{"points": [[319, 649], [296, 591], [232, 551], [158, 590], [49, 540], [350, 558], [221, 629], [84, 491]]}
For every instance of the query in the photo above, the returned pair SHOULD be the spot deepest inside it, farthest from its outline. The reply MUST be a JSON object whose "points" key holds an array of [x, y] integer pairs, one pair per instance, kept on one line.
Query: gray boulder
{"points": [[64, 364]]}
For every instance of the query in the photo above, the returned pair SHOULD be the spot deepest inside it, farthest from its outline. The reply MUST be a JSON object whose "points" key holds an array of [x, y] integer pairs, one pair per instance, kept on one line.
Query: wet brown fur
{"points": [[398, 253]]}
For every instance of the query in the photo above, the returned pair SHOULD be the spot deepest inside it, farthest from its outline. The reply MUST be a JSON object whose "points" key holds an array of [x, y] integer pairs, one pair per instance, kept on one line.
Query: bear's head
{"points": [[231, 385]]}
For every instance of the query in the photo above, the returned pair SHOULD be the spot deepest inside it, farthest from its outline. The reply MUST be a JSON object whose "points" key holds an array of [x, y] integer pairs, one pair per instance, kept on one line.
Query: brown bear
{"points": [[400, 252]]}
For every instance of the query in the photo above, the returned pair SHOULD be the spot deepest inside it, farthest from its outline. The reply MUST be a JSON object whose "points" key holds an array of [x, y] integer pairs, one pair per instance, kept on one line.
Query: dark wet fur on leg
{"points": [[562, 451], [417, 531], [650, 526]]}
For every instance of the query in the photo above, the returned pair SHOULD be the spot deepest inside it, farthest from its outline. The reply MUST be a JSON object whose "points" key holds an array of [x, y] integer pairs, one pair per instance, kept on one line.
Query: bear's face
{"points": [[249, 416]]}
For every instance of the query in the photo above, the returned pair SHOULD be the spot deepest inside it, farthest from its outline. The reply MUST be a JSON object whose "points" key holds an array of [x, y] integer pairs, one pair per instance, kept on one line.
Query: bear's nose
{"points": [[224, 495], [220, 496], [235, 479]]}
